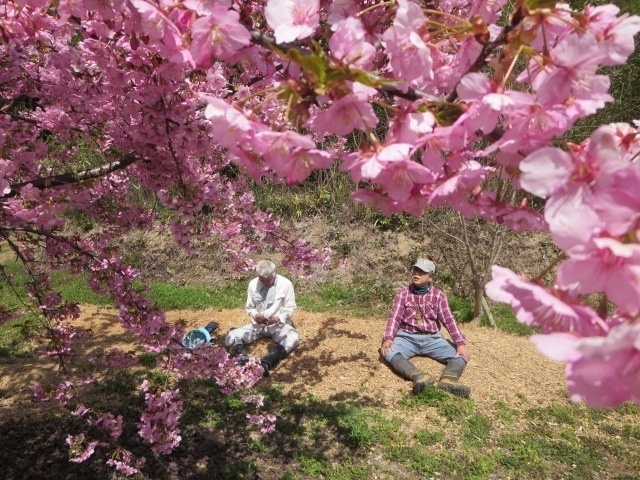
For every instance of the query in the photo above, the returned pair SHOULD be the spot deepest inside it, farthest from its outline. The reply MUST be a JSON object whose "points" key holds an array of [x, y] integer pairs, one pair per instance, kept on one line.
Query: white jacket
{"points": [[279, 300]]}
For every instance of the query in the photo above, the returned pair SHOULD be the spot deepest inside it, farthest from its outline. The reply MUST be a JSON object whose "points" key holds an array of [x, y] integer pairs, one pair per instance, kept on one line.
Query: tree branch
{"points": [[73, 177], [268, 41]]}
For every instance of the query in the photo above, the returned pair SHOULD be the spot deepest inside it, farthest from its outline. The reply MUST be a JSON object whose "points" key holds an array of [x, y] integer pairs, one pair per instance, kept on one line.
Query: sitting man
{"points": [[418, 312], [270, 304]]}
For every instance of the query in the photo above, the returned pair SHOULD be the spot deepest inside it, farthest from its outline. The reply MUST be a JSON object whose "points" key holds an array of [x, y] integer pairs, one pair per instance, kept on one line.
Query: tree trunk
{"points": [[481, 271]]}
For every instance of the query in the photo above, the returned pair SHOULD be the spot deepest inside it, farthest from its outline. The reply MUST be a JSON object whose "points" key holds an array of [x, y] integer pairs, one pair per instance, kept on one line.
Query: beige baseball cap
{"points": [[427, 266]]}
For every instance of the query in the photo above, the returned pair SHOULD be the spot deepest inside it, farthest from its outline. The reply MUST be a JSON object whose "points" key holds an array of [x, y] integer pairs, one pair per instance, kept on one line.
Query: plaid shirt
{"points": [[426, 313]]}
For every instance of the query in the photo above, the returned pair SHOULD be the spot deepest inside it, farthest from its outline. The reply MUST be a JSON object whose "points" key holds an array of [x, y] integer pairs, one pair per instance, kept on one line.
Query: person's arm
{"points": [[284, 304], [446, 317], [393, 322], [288, 303], [250, 306]]}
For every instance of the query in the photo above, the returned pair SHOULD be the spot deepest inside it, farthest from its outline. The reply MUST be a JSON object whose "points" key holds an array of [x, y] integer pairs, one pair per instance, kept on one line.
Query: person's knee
{"points": [[394, 358], [292, 341], [238, 336], [456, 366], [459, 360], [231, 339]]}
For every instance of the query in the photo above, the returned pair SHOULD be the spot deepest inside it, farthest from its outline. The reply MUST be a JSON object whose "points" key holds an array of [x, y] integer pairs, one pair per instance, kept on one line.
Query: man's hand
{"points": [[259, 318], [464, 351], [271, 321], [386, 346]]}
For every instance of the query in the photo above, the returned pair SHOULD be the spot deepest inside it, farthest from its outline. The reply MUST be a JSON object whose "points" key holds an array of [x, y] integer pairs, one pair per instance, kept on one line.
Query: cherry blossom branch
{"points": [[552, 266], [481, 60], [174, 155], [268, 41], [42, 302], [411, 94], [74, 177]]}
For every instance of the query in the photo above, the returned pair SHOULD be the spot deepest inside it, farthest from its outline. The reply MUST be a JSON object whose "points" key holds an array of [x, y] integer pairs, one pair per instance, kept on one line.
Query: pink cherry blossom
{"points": [[545, 171], [572, 220], [408, 126], [369, 165], [617, 32], [377, 200], [601, 371], [106, 10], [573, 180], [159, 423], [401, 175], [534, 305], [348, 43], [618, 205], [158, 26], [229, 125], [297, 166], [219, 35], [126, 463], [112, 424], [351, 112], [79, 448], [266, 422], [611, 267], [277, 146], [292, 19], [410, 58], [468, 176], [576, 59]]}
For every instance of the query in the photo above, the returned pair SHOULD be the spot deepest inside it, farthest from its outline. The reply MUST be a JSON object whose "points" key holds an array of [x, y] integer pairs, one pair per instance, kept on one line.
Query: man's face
{"points": [[267, 281], [420, 278]]}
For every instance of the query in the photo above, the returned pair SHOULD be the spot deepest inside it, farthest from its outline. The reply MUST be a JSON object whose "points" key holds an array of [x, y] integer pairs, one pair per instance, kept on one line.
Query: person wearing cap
{"points": [[270, 305], [413, 328]]}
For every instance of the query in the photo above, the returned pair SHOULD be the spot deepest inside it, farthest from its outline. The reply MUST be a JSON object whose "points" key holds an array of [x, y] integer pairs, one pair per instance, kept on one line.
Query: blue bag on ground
{"points": [[199, 336]]}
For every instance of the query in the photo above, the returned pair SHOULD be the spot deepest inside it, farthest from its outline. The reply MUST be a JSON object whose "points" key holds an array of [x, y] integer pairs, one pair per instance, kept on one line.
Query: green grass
{"points": [[462, 309], [428, 437], [476, 430], [506, 321], [74, 288], [172, 297], [14, 335], [362, 297], [362, 428]]}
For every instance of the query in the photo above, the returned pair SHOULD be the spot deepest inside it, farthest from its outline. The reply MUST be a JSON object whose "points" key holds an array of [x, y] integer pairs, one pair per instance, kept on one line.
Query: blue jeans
{"points": [[433, 346]]}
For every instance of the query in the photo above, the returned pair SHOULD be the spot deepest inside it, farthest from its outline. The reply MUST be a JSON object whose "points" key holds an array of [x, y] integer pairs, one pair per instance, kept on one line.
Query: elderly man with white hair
{"points": [[270, 304]]}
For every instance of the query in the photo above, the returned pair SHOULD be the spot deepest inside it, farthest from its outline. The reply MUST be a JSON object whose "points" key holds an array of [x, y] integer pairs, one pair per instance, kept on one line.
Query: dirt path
{"points": [[337, 359]]}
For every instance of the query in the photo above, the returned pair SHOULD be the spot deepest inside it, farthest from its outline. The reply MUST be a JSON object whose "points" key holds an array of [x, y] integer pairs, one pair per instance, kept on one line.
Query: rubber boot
{"points": [[211, 327], [449, 379], [270, 360], [404, 367], [241, 352]]}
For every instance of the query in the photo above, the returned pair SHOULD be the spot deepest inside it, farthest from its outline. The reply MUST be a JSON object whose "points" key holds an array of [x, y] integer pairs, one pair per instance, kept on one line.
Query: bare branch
{"points": [[73, 177]]}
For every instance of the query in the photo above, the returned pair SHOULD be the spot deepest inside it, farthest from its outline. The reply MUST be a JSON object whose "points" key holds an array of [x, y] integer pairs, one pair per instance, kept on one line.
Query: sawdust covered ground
{"points": [[338, 359]]}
